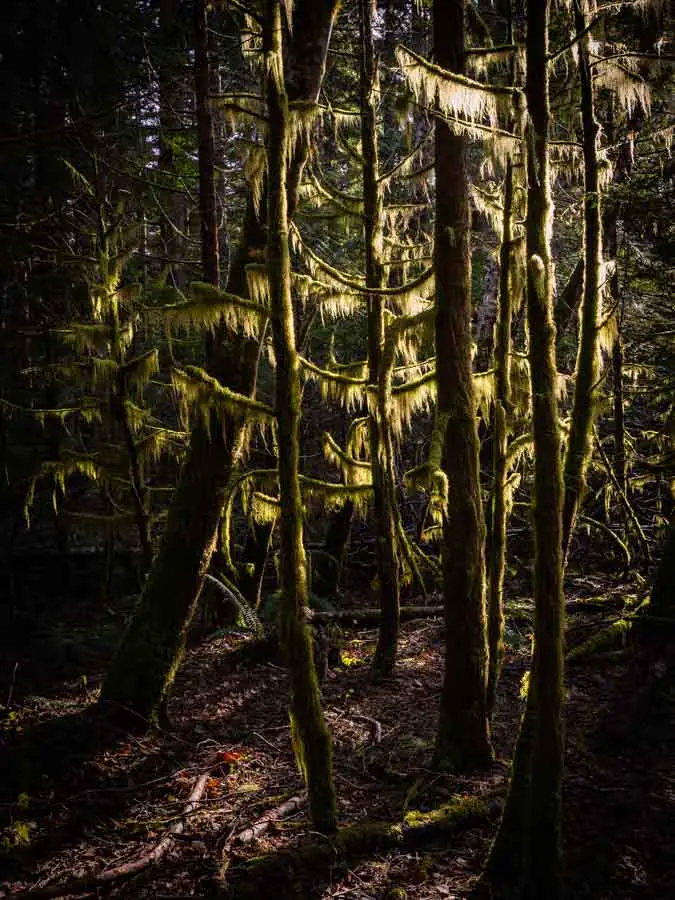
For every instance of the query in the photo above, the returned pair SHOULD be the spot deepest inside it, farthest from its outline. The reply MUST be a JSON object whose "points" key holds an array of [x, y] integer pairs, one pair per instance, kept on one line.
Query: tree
{"points": [[463, 732], [381, 442], [310, 736], [588, 361], [530, 826]]}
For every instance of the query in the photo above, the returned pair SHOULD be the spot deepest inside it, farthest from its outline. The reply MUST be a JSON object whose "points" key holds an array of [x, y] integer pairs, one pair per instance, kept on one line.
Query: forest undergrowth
{"points": [[80, 799]]}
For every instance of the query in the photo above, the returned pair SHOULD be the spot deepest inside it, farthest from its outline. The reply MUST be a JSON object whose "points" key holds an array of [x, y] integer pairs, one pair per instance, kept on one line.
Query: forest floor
{"points": [[78, 799]]}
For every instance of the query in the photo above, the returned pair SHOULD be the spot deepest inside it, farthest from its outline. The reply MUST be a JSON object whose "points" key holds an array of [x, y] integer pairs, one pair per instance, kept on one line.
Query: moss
{"points": [[287, 868], [611, 638], [445, 817]]}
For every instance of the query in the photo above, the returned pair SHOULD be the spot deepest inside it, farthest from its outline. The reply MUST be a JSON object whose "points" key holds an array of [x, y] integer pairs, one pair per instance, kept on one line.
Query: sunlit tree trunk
{"points": [[527, 846], [380, 436], [311, 739], [463, 739], [145, 664], [588, 362], [502, 362]]}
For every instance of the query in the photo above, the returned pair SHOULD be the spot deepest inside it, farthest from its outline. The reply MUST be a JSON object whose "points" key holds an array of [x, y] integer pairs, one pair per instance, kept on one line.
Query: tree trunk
{"points": [[588, 357], [311, 739], [530, 828], [463, 740], [502, 362], [547, 676], [327, 566], [380, 437], [151, 650]]}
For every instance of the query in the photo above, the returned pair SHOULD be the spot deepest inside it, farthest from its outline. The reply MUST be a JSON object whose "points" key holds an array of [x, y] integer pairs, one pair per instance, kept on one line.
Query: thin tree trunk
{"points": [[380, 441], [502, 361], [579, 446], [327, 567], [311, 739], [547, 676], [617, 358], [151, 650], [463, 739], [530, 828]]}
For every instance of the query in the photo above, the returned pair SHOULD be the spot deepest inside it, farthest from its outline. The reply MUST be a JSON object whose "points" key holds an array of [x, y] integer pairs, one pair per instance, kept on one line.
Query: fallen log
{"points": [[288, 869], [90, 884], [372, 615]]}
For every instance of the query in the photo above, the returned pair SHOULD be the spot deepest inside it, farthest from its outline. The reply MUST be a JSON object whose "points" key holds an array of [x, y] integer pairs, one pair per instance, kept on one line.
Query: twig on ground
{"points": [[273, 815]]}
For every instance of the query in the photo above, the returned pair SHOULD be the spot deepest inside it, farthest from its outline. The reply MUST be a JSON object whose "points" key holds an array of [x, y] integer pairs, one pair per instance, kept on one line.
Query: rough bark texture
{"points": [[502, 362], [530, 826], [546, 680], [150, 652], [380, 437], [463, 740], [588, 362], [311, 739]]}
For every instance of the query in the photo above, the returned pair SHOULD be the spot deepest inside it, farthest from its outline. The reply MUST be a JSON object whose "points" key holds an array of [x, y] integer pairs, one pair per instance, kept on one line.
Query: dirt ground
{"points": [[78, 798]]}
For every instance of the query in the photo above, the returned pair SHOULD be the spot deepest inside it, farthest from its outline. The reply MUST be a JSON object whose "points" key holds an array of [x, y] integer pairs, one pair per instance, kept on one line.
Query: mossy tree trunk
{"points": [[502, 363], [547, 677], [531, 820], [588, 359], [463, 739], [151, 650], [381, 445], [311, 739]]}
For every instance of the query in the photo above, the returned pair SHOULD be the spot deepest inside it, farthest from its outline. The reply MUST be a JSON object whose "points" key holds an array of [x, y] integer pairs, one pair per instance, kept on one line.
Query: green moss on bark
{"points": [[463, 739]]}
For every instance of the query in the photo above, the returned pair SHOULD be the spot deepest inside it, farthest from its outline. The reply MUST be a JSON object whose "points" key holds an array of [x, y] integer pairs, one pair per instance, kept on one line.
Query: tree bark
{"points": [[463, 739], [588, 358], [381, 445], [529, 832], [311, 739], [502, 362]]}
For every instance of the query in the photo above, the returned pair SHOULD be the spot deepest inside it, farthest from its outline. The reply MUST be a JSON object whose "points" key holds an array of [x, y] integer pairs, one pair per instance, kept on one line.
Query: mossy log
{"points": [[372, 615], [611, 638], [288, 869]]}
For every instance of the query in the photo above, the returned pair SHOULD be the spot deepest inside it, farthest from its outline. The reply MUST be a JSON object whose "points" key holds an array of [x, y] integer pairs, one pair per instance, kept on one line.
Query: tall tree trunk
{"points": [[502, 362], [588, 361], [530, 826], [380, 441], [311, 739], [151, 650], [463, 739]]}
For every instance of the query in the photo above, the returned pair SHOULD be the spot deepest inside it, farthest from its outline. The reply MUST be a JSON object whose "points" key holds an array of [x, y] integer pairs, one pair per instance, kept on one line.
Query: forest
{"points": [[337, 449]]}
